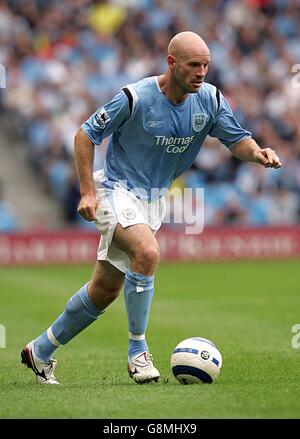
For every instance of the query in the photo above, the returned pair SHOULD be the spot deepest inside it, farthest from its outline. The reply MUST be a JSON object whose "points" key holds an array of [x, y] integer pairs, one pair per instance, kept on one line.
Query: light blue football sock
{"points": [[138, 294], [80, 312], [136, 346]]}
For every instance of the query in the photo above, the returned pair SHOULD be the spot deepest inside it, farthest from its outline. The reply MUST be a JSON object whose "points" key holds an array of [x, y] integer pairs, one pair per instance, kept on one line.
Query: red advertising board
{"points": [[231, 244], [62, 247], [77, 246]]}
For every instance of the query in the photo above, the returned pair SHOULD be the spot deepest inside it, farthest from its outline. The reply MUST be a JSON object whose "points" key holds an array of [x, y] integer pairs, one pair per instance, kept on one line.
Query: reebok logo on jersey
{"points": [[102, 118], [155, 124]]}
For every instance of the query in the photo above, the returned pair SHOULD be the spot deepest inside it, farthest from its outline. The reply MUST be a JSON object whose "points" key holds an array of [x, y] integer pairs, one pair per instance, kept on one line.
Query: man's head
{"points": [[188, 60]]}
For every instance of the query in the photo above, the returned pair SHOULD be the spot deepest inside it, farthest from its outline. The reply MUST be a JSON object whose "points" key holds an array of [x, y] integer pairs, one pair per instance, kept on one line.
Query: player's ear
{"points": [[171, 61]]}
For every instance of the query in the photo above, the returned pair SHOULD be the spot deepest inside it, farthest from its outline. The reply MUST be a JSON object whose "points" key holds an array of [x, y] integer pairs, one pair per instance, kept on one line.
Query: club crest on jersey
{"points": [[199, 121], [102, 118]]}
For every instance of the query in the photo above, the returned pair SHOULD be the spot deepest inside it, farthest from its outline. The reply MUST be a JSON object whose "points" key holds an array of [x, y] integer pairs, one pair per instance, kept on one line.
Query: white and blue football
{"points": [[196, 360]]}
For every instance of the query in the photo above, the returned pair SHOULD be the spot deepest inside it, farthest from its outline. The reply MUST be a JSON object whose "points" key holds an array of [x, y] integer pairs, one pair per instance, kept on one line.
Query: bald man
{"points": [[158, 126]]}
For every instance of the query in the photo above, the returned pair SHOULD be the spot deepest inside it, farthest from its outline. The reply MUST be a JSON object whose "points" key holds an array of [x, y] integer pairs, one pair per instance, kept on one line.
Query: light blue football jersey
{"points": [[154, 141]]}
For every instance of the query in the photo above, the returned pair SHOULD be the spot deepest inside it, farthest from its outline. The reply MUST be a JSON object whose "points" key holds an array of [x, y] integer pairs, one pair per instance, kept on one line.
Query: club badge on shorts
{"points": [[199, 121], [129, 214]]}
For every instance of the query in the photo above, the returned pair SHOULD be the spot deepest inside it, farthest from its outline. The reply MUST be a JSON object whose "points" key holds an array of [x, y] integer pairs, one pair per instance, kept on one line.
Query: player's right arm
{"points": [[84, 159], [105, 121]]}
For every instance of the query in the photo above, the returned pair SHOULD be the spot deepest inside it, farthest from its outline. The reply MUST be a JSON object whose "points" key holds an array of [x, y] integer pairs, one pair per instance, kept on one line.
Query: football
{"points": [[196, 360]]}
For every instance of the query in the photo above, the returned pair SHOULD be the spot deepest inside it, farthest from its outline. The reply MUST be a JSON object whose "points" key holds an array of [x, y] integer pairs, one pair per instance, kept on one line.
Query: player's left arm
{"points": [[249, 150], [239, 141]]}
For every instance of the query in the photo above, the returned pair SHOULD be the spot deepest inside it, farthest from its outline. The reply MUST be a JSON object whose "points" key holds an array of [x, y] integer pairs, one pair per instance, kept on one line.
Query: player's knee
{"points": [[146, 258]]}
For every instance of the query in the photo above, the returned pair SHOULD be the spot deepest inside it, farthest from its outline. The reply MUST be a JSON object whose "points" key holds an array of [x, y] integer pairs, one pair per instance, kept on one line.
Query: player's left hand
{"points": [[268, 158]]}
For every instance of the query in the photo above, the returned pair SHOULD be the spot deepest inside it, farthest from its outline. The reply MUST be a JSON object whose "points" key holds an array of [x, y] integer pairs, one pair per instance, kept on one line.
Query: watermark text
{"points": [[2, 336], [296, 77], [2, 76], [296, 338]]}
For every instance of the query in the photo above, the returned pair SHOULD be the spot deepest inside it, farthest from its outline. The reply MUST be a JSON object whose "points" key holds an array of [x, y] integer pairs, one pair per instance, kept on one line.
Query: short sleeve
{"points": [[107, 119], [226, 128]]}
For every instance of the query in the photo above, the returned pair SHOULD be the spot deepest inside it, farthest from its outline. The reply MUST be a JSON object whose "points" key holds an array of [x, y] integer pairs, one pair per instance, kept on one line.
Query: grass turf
{"points": [[247, 309]]}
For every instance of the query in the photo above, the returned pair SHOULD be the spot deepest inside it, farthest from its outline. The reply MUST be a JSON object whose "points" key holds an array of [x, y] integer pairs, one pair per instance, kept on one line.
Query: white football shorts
{"points": [[120, 206]]}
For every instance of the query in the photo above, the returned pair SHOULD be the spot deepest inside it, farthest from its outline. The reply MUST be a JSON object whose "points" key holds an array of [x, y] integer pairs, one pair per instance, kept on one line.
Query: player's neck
{"points": [[171, 90]]}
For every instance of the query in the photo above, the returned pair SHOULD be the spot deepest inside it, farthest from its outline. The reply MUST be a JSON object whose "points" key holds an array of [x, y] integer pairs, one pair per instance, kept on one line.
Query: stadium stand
{"points": [[65, 59]]}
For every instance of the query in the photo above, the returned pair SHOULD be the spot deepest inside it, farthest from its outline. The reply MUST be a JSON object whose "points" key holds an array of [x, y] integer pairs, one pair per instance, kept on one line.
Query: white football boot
{"points": [[141, 369], [44, 371]]}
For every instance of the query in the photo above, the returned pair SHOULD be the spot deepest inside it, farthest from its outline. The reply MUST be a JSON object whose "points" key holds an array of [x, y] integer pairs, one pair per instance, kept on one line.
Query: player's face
{"points": [[190, 72]]}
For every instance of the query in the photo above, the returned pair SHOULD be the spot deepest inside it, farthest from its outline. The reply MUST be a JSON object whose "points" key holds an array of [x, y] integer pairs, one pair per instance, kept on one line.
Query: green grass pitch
{"points": [[247, 309]]}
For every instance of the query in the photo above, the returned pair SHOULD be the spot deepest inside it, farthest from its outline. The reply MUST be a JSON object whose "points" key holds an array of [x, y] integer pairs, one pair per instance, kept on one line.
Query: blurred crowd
{"points": [[65, 59]]}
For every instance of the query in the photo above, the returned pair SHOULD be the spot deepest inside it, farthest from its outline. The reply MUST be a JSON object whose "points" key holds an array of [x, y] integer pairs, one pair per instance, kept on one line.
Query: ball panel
{"points": [[190, 372], [190, 350], [205, 341]]}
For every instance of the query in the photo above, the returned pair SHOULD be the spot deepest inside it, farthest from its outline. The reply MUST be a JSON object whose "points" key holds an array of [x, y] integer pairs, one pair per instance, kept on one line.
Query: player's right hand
{"points": [[88, 206]]}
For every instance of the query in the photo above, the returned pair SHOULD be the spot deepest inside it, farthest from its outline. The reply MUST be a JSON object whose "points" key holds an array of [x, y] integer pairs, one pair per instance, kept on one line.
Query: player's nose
{"points": [[201, 72]]}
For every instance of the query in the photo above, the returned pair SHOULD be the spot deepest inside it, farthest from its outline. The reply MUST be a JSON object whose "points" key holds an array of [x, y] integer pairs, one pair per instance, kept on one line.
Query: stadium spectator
{"points": [[63, 59], [8, 221]]}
